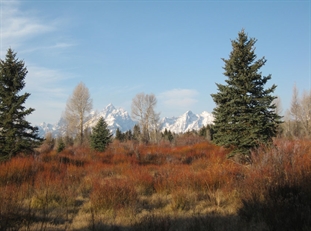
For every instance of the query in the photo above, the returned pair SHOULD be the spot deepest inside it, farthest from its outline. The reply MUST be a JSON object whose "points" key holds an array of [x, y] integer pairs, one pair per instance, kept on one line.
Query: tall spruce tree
{"points": [[16, 133], [101, 136], [245, 115]]}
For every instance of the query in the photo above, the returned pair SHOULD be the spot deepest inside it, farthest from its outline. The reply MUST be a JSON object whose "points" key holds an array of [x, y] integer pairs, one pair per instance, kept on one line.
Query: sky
{"points": [[172, 49]]}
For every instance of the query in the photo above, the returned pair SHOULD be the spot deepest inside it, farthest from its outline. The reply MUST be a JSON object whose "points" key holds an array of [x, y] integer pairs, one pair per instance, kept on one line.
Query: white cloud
{"points": [[49, 93], [18, 26], [179, 98], [51, 47], [27, 31], [44, 80]]}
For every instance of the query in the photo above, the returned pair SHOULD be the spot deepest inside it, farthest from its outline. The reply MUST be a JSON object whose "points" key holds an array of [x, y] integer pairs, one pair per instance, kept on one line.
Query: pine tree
{"points": [[119, 135], [136, 132], [101, 136], [203, 131], [60, 144], [16, 133], [244, 114], [167, 135], [128, 135]]}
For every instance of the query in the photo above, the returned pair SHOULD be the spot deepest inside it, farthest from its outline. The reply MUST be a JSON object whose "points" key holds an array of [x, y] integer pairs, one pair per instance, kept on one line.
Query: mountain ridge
{"points": [[120, 118]]}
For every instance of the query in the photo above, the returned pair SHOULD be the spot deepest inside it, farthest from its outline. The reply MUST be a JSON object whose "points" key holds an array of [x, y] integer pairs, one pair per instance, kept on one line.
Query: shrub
{"points": [[11, 209], [111, 194], [276, 190], [183, 199], [17, 170], [141, 179]]}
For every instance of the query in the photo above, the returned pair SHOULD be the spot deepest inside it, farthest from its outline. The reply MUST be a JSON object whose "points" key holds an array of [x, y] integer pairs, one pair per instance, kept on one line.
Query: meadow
{"points": [[185, 185]]}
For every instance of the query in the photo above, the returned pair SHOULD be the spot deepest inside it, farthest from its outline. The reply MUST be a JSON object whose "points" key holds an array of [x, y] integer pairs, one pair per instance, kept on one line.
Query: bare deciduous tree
{"points": [[278, 105], [305, 113], [78, 107], [143, 106], [294, 112], [298, 117]]}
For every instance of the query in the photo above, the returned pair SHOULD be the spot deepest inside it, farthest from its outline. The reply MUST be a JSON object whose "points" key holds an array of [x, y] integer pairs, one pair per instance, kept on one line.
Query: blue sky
{"points": [[172, 49]]}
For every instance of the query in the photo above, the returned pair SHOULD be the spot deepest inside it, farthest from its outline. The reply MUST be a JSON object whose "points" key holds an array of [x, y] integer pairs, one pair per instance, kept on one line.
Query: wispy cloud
{"points": [[46, 80], [50, 47], [179, 98], [49, 93], [18, 26], [26, 32]]}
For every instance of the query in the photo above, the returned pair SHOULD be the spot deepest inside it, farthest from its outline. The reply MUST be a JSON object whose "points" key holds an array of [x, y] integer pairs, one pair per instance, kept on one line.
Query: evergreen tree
{"points": [[119, 135], [203, 131], [136, 132], [101, 136], [206, 132], [16, 133], [245, 115], [60, 144], [167, 135], [128, 135], [68, 141]]}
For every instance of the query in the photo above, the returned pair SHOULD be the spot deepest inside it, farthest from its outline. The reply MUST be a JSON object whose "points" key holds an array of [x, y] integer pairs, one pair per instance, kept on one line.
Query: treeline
{"points": [[166, 137], [246, 113]]}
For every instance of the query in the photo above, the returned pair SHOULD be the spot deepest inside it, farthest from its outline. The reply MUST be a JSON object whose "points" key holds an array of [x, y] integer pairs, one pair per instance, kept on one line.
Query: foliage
{"points": [[245, 114], [189, 185], [206, 132], [119, 135], [48, 143], [136, 132], [167, 135], [112, 194], [17, 135], [276, 189], [124, 136], [101, 136], [60, 144]]}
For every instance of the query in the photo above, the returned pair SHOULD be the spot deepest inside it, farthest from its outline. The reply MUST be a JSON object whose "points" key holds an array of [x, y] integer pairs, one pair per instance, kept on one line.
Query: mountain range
{"points": [[119, 118]]}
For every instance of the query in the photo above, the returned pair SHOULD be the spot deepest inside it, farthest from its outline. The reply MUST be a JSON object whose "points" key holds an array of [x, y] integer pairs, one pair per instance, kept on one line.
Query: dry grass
{"points": [[187, 186]]}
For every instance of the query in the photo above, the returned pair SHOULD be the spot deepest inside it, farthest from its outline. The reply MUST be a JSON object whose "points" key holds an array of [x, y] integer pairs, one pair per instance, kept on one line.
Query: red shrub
{"points": [[17, 170], [110, 194], [141, 177]]}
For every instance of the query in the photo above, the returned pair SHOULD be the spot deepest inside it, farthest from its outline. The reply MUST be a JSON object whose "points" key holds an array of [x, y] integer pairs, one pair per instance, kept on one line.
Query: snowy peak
{"points": [[54, 129], [187, 122], [207, 118], [188, 116], [115, 118], [109, 109], [119, 118]]}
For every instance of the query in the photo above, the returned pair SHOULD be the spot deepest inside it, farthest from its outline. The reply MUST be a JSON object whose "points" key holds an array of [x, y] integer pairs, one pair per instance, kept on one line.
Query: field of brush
{"points": [[188, 185]]}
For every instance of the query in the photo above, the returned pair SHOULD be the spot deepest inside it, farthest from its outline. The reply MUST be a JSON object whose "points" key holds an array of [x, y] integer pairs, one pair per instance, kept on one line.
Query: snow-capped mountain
{"points": [[115, 118], [187, 122], [54, 129], [119, 118]]}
